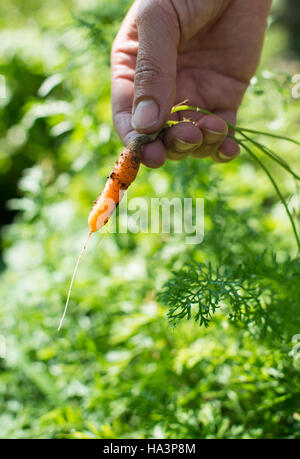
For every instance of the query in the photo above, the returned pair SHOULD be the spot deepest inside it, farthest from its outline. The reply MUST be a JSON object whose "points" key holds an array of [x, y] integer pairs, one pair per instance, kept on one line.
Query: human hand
{"points": [[167, 51]]}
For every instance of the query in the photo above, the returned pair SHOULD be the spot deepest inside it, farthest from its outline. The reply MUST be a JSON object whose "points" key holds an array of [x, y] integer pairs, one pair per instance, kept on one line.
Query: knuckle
{"points": [[113, 52], [114, 46], [147, 72]]}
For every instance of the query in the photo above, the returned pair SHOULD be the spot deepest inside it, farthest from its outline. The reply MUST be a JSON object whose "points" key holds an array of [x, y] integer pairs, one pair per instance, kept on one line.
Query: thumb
{"points": [[155, 74]]}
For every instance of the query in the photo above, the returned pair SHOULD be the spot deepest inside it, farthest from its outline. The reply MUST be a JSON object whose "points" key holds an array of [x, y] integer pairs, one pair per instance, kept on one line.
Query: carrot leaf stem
{"points": [[266, 150], [277, 189]]}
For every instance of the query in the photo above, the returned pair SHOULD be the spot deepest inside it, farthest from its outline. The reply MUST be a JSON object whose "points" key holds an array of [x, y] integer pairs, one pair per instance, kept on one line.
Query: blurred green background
{"points": [[117, 369]]}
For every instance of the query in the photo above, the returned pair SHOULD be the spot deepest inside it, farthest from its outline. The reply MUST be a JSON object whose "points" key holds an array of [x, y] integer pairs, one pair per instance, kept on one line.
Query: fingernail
{"points": [[145, 115], [176, 156], [222, 156], [182, 146], [212, 137]]}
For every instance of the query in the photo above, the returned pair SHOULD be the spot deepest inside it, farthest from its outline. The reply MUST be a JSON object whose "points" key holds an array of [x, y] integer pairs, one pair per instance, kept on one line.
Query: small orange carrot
{"points": [[123, 174]]}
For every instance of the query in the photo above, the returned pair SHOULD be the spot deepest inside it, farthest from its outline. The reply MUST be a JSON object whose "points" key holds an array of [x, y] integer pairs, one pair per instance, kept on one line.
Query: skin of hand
{"points": [[168, 51]]}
